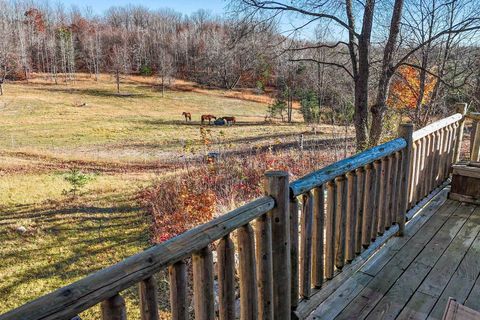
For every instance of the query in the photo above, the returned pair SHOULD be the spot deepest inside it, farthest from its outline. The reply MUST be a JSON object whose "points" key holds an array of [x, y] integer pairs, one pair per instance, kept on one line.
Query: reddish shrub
{"points": [[193, 196]]}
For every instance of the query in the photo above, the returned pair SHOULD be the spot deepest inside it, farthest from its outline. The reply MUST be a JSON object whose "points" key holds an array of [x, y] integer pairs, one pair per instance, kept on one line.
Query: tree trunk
{"points": [[361, 80], [380, 107]]}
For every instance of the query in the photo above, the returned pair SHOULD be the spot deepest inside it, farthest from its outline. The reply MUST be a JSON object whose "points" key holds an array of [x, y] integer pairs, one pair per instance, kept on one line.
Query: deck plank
{"points": [[432, 287], [386, 277], [473, 300], [418, 217], [455, 228], [463, 279]]}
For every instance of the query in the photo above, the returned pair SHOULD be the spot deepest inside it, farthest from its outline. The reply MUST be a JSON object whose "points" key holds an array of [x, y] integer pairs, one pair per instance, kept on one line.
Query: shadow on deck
{"points": [[412, 277]]}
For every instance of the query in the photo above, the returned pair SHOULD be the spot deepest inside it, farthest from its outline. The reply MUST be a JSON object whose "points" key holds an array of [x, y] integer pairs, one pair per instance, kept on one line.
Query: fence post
{"points": [[462, 109], [114, 308], [475, 138], [405, 131], [276, 186]]}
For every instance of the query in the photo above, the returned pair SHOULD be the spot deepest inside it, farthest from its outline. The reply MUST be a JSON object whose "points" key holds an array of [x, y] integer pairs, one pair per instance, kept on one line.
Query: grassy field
{"points": [[50, 239]]}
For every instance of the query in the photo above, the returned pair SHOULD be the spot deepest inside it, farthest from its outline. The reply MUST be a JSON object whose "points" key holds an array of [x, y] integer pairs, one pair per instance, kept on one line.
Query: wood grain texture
{"points": [[340, 222], [330, 231], [294, 252], [247, 273], [263, 232], [351, 217], [203, 294], [405, 131], [147, 290], [178, 290], [277, 187], [306, 245], [114, 308], [226, 278], [318, 239], [368, 205], [360, 173]]}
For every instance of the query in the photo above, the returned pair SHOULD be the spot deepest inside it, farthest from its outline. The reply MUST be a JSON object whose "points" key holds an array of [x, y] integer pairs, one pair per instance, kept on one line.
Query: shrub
{"points": [[309, 107], [194, 196], [77, 181], [146, 71], [278, 108]]}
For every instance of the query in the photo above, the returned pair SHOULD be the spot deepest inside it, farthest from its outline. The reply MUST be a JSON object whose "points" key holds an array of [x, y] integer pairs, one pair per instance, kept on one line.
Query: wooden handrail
{"points": [[317, 178], [68, 301], [431, 128]]}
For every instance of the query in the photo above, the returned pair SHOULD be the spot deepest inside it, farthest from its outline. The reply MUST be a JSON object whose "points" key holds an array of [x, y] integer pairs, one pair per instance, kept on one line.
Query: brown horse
{"points": [[208, 117], [187, 115], [230, 120]]}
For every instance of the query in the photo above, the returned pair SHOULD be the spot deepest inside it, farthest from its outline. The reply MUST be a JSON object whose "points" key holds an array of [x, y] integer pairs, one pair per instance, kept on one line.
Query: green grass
{"points": [[43, 135]]}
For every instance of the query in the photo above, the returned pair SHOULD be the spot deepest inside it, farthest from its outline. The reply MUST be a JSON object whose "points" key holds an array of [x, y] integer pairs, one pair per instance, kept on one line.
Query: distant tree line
{"points": [[345, 68]]}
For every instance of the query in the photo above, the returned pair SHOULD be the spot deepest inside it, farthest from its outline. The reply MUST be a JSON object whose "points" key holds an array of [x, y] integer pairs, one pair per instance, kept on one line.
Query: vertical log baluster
{"points": [[389, 192], [306, 246], [448, 152], [330, 231], [318, 228], [451, 152], [399, 187], [394, 187], [203, 294], [367, 206], [462, 109], [438, 156], [406, 132], [147, 290], [382, 196], [277, 187], [114, 308], [226, 278], [431, 161], [413, 170], [360, 173], [474, 140], [340, 222], [351, 218], [294, 252], [263, 232], [178, 290], [375, 197], [247, 273], [443, 156], [419, 171], [426, 169]]}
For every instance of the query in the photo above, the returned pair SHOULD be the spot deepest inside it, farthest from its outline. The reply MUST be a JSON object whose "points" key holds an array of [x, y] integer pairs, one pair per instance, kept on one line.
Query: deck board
{"points": [[412, 277]]}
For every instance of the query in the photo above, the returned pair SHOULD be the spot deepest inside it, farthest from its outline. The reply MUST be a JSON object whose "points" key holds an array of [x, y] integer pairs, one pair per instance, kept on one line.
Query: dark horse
{"points": [[187, 115], [230, 120], [208, 117]]}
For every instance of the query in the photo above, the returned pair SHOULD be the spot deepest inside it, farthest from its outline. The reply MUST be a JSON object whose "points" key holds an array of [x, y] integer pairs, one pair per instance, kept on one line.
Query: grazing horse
{"points": [[230, 120], [208, 117], [187, 115]]}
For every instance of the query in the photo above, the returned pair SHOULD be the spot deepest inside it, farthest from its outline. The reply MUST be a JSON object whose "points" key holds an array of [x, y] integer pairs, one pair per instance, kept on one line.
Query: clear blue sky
{"points": [[182, 6]]}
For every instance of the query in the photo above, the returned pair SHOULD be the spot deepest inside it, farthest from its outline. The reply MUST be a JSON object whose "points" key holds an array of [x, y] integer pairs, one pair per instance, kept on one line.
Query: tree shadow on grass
{"points": [[95, 92]]}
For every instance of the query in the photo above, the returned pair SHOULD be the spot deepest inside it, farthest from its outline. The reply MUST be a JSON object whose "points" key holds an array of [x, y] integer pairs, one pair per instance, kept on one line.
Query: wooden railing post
{"points": [[114, 308], [405, 131], [462, 109], [148, 299], [277, 187], [178, 290], [475, 138]]}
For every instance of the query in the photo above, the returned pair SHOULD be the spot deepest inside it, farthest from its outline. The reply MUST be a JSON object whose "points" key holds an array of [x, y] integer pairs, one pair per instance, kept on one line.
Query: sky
{"points": [[183, 6]]}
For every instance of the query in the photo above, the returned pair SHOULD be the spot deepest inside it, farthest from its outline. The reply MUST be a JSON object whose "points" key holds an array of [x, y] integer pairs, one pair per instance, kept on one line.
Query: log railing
{"points": [[435, 148], [278, 251]]}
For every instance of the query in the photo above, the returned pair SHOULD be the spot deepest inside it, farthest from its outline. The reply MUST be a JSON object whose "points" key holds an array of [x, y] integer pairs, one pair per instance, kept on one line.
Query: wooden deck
{"points": [[413, 277]]}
